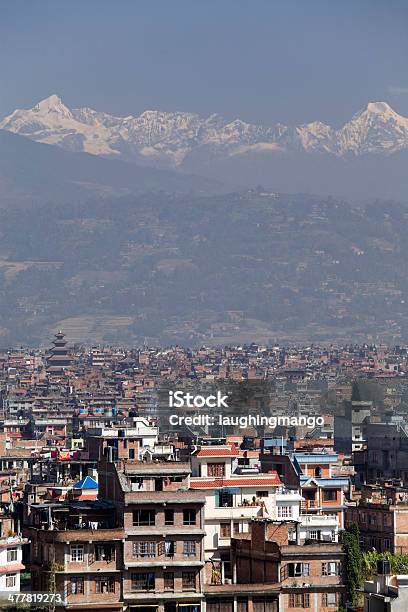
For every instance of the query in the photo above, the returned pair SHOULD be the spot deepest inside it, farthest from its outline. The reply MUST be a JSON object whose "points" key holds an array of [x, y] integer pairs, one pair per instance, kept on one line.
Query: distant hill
{"points": [[364, 177], [250, 266], [34, 173]]}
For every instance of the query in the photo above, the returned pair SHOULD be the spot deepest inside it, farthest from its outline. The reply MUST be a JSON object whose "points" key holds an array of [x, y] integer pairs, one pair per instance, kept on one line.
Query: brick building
{"points": [[293, 575], [139, 546], [385, 456], [382, 516], [163, 522], [76, 550], [323, 492], [275, 573]]}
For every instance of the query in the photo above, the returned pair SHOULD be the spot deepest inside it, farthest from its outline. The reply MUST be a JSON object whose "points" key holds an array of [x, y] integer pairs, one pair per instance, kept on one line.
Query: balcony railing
{"points": [[247, 504], [309, 504], [318, 518], [235, 512]]}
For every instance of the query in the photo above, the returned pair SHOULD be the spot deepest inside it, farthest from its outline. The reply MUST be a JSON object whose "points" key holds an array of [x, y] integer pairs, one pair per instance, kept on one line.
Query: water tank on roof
{"points": [[383, 567]]}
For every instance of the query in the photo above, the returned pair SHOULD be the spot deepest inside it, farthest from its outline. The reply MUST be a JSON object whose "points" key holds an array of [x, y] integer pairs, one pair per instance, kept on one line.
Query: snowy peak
{"points": [[376, 129], [379, 108], [175, 138], [379, 111], [53, 102]]}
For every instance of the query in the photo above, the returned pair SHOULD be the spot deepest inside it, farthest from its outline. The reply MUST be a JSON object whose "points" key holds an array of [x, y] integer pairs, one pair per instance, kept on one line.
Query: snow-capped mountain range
{"points": [[171, 139]]}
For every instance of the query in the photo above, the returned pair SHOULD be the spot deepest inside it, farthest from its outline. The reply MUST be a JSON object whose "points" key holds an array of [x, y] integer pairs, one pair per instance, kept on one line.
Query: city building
{"points": [[386, 592], [382, 516]]}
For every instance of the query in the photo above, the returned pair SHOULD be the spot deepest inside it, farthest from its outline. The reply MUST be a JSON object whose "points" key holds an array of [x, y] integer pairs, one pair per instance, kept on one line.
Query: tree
{"points": [[354, 573]]}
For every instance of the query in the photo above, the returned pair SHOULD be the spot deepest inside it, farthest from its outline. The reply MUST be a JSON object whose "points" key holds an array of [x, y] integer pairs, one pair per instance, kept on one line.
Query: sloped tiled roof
{"points": [[245, 481]]}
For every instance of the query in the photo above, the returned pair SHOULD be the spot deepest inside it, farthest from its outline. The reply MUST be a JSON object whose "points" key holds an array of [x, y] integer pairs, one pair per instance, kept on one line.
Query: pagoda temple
{"points": [[58, 358]]}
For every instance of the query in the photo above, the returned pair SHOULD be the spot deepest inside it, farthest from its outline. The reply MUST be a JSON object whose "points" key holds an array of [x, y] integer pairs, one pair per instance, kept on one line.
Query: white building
{"points": [[142, 430], [11, 565], [320, 527], [235, 493], [386, 593]]}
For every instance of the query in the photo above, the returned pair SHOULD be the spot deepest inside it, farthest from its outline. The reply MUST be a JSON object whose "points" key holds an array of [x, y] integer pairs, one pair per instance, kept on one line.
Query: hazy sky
{"points": [[262, 60]]}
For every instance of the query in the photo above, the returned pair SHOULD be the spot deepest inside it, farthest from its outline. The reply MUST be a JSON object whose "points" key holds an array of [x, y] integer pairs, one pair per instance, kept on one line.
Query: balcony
{"points": [[235, 512], [288, 495], [155, 596], [13, 540], [309, 504], [326, 520], [79, 535]]}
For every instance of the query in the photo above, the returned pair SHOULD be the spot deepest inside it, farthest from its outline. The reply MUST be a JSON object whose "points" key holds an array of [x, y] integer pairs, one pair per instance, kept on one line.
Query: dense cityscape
{"points": [[203, 306], [107, 505]]}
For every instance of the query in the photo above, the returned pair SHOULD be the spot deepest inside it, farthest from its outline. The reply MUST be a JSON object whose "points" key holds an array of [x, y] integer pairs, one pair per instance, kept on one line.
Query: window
{"points": [[242, 604], [143, 581], [11, 581], [167, 548], [224, 499], [77, 553], [189, 581], [77, 585], [387, 520], [144, 518], [329, 600], [131, 453], [143, 549], [243, 461], [169, 517], [314, 534], [220, 605], [216, 470], [189, 548], [285, 511], [11, 554], [264, 604], [299, 600], [225, 530], [189, 517], [386, 543], [329, 569], [333, 536], [299, 569], [168, 581], [104, 552], [262, 493], [329, 495], [105, 584], [236, 528]]}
